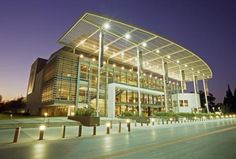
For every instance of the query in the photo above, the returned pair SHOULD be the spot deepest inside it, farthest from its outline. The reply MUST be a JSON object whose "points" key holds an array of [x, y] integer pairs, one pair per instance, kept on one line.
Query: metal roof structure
{"points": [[121, 41]]}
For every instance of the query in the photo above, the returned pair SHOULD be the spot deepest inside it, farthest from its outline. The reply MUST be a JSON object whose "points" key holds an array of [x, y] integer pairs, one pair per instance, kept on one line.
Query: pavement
{"points": [[201, 139]]}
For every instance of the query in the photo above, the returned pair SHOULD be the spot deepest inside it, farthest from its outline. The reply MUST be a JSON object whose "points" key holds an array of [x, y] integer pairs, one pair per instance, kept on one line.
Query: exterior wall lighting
{"points": [[114, 65], [177, 61], [144, 44], [127, 36], [81, 56], [168, 56], [106, 25], [157, 51]]}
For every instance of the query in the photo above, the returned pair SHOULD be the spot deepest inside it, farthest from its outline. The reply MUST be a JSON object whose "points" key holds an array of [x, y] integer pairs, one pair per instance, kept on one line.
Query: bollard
{"points": [[42, 128], [63, 134], [141, 123], [147, 123], [11, 116], [153, 123], [135, 124], [94, 130], [80, 131], [17, 134], [128, 124], [108, 127], [162, 122], [119, 126]]}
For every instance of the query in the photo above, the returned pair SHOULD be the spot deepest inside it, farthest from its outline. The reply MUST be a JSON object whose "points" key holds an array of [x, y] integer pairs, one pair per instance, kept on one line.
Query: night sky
{"points": [[30, 29]]}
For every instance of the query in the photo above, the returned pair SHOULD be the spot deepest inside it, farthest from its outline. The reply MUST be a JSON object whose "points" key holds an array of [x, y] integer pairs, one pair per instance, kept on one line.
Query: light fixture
{"points": [[106, 25], [104, 62], [106, 48], [156, 77], [144, 44], [42, 127], [114, 65], [192, 69], [93, 59], [127, 36], [168, 56], [81, 56], [122, 53], [130, 70], [157, 51], [144, 74], [198, 71], [185, 65], [122, 67], [177, 61]]}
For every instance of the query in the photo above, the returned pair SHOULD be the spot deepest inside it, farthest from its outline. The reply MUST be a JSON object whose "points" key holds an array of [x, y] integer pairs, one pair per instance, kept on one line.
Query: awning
{"points": [[121, 41]]}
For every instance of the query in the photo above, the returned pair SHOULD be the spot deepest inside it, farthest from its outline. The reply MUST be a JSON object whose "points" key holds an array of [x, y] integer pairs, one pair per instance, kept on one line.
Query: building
{"points": [[115, 67]]}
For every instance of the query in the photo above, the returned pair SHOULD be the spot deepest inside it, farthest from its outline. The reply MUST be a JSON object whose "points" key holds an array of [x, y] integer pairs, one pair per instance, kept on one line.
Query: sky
{"points": [[31, 28]]}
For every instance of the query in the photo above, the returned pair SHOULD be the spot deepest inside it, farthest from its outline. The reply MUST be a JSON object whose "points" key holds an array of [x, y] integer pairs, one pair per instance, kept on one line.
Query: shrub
{"points": [[85, 112]]}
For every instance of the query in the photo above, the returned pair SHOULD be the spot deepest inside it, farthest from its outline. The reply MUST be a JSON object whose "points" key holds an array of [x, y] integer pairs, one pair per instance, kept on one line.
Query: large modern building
{"points": [[115, 67]]}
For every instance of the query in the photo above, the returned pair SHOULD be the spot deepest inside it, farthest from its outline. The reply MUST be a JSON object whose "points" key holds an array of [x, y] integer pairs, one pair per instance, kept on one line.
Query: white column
{"points": [[183, 84], [205, 92], [195, 90], [99, 67], [139, 94], [164, 83]]}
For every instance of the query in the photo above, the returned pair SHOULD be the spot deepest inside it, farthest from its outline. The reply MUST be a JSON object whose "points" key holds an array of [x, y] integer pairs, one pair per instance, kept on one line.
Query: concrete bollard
{"points": [[63, 134], [128, 125], [80, 131], [42, 128], [108, 125], [119, 126], [17, 134], [94, 130]]}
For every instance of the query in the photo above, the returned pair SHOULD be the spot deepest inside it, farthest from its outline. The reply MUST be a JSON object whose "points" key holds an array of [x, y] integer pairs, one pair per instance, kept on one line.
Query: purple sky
{"points": [[30, 29]]}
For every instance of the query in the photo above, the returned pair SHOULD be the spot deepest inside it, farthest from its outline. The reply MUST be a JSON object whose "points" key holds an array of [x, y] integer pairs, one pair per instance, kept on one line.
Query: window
{"points": [[183, 103]]}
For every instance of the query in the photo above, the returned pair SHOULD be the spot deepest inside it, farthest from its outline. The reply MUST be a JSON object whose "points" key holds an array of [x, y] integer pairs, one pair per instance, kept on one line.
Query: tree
{"points": [[0, 98], [229, 100], [211, 101], [13, 106]]}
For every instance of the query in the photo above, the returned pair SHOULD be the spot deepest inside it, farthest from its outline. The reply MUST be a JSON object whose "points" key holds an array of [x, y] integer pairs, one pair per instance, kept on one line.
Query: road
{"points": [[206, 140]]}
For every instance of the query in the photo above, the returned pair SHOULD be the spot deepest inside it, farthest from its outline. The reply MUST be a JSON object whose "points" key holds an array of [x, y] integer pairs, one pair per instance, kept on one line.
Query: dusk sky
{"points": [[30, 29]]}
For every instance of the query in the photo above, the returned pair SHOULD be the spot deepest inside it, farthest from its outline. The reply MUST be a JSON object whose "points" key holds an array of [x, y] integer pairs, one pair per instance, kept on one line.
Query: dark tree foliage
{"points": [[230, 100], [211, 101], [13, 106]]}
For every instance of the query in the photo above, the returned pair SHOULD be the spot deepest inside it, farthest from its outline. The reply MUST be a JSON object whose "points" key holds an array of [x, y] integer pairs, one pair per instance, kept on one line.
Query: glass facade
{"points": [[71, 77]]}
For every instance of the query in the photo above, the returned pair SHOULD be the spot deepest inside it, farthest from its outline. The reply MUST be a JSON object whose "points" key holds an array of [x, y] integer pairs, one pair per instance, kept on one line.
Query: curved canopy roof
{"points": [[121, 41]]}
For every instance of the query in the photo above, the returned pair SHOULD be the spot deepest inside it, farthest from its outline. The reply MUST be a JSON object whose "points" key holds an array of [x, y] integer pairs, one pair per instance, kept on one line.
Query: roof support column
{"points": [[139, 70], [165, 82], [195, 90], [205, 87], [183, 83], [100, 56]]}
